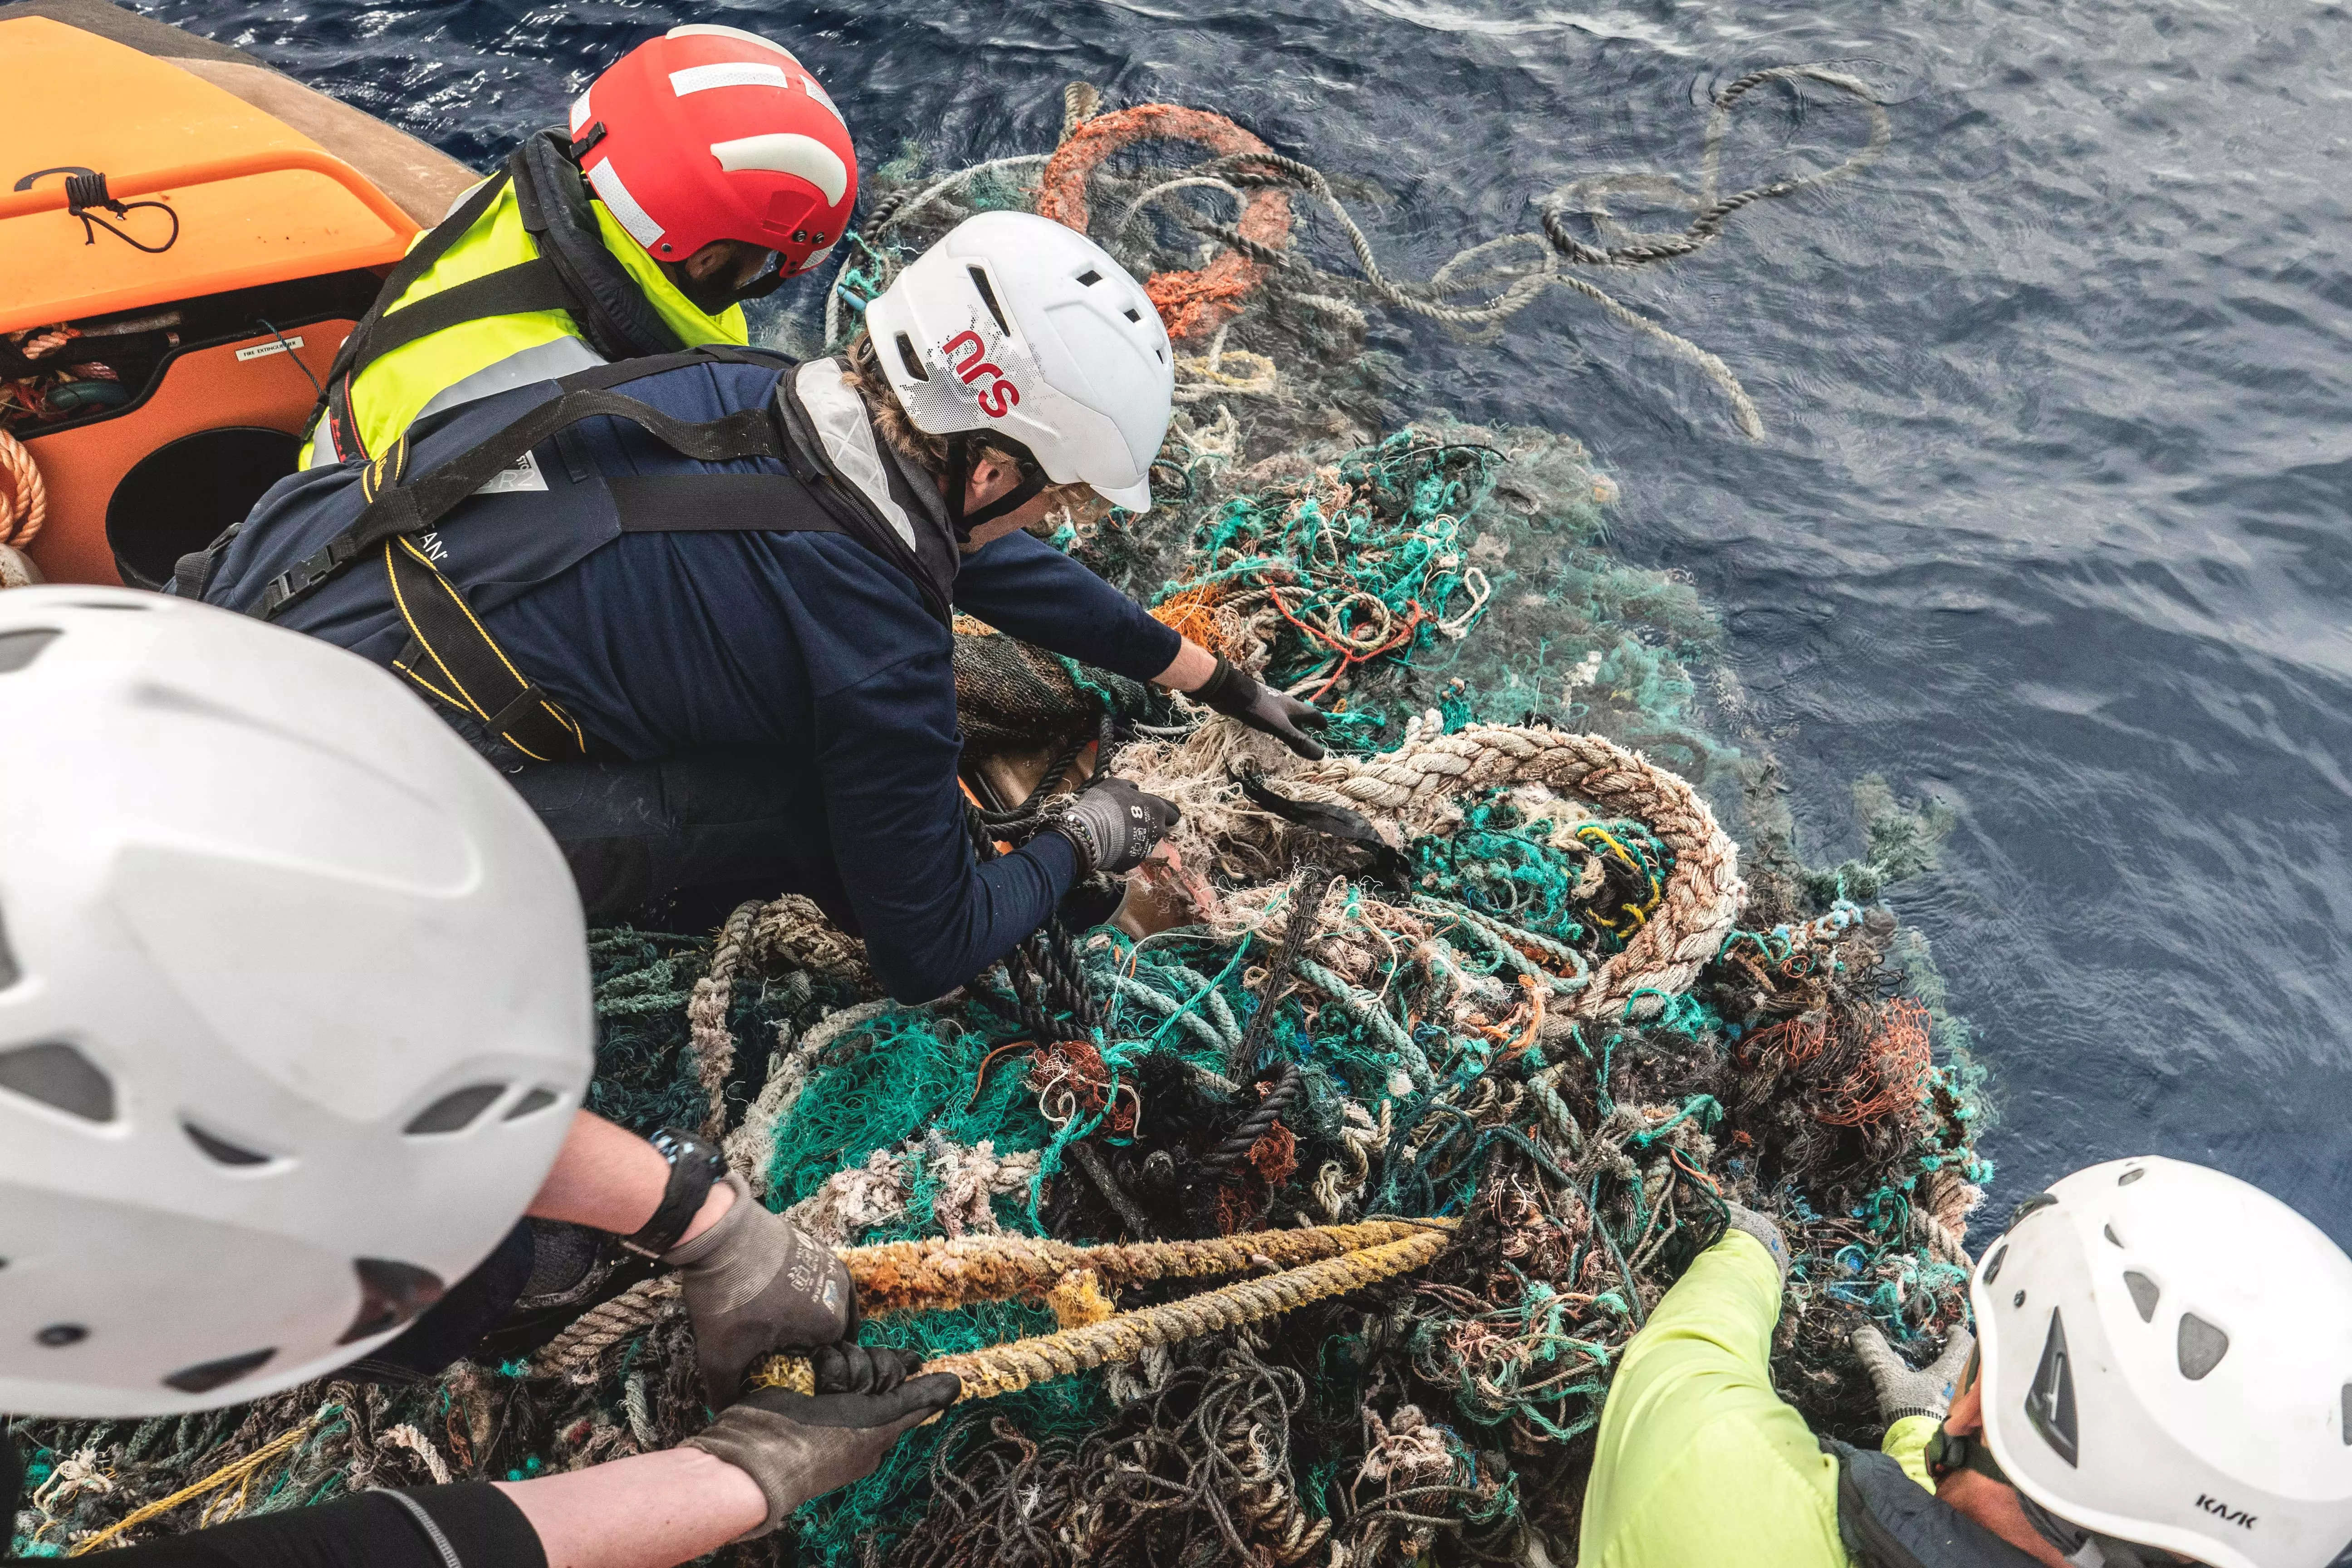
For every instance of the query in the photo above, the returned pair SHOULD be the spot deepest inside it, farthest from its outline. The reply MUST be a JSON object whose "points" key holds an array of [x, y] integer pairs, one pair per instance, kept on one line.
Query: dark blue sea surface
{"points": [[2051, 518]]}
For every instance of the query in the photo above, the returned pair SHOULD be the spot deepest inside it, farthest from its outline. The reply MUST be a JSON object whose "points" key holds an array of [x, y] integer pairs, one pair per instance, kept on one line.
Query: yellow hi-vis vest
{"points": [[479, 358]]}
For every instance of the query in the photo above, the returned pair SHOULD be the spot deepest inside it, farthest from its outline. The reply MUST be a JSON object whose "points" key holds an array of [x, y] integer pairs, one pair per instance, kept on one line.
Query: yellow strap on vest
{"points": [[452, 657]]}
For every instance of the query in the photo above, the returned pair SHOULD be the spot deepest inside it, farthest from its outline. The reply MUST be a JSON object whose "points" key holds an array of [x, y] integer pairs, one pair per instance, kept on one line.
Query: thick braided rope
{"points": [[924, 1276], [1412, 785], [24, 499], [706, 1016], [1123, 1336], [574, 1352]]}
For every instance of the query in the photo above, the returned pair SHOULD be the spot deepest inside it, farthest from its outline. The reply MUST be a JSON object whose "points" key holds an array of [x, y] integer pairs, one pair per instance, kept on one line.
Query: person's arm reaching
{"points": [[753, 1281], [931, 916], [765, 1455], [1026, 588]]}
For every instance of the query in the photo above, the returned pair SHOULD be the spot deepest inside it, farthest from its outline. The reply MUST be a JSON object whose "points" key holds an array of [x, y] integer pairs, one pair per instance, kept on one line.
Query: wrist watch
{"points": [[694, 1167]]}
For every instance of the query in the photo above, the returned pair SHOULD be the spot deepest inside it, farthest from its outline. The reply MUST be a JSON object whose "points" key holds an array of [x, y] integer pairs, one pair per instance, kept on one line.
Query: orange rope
{"points": [[24, 499], [1191, 304]]}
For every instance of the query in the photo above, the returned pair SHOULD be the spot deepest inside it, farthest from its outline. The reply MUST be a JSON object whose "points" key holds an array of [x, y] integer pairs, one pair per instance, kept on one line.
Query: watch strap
{"points": [[695, 1167]]}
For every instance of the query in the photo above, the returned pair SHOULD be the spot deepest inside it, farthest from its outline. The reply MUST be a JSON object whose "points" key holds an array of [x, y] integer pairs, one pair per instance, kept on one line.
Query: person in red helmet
{"points": [[702, 169]]}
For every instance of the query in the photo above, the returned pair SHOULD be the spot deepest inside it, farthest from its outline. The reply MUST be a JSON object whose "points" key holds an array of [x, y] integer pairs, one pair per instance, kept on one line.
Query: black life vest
{"points": [[398, 558], [1889, 1520], [573, 272]]}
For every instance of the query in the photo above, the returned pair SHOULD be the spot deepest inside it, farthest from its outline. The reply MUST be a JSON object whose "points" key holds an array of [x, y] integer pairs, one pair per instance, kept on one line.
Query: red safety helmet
{"points": [[710, 132]]}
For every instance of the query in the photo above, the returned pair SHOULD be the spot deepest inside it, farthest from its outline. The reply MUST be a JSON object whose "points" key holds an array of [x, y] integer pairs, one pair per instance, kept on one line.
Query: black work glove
{"points": [[1113, 825], [1268, 711], [756, 1284], [801, 1445]]}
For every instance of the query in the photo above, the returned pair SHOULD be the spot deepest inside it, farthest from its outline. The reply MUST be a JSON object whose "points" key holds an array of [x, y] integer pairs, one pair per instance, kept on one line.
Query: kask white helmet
{"points": [[294, 1005], [1018, 327], [2168, 1360]]}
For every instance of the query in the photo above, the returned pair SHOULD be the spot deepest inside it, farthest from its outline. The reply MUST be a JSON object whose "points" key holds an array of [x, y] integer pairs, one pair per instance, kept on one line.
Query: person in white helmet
{"points": [[698, 605], [294, 1031], [2164, 1376]]}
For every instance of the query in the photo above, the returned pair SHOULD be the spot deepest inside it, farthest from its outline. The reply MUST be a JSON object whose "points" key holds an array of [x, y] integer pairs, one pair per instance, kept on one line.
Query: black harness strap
{"points": [[335, 402], [395, 507], [712, 504], [509, 291]]}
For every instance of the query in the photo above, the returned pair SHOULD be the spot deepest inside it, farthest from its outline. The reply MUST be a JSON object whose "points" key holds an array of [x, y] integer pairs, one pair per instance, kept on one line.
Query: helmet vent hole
{"points": [[60, 1077], [222, 1151], [987, 298], [58, 1336], [1992, 1270], [18, 649], [206, 1376], [456, 1111], [2144, 1294], [2201, 1346], [912, 361], [2128, 1177], [2050, 1403], [2347, 1414], [1132, 314], [1089, 278], [536, 1100], [2033, 1204], [390, 1295], [2109, 1231]]}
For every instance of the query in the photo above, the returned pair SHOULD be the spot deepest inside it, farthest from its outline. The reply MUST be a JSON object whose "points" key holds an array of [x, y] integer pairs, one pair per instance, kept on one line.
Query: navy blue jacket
{"points": [[809, 646]]}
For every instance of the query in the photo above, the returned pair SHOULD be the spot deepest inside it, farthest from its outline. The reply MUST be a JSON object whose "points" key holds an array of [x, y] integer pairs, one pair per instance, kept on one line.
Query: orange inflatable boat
{"points": [[186, 237]]}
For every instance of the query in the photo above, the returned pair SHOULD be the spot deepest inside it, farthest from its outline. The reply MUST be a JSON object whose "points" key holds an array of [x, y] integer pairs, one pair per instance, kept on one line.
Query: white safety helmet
{"points": [[2166, 1361], [294, 1005], [1017, 327]]}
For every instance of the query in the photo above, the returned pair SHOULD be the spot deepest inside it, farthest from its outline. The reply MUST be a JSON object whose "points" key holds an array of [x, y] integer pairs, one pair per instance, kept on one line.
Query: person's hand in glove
{"points": [[798, 1446], [1270, 713], [754, 1284], [1904, 1390], [1764, 1230], [1113, 825]]}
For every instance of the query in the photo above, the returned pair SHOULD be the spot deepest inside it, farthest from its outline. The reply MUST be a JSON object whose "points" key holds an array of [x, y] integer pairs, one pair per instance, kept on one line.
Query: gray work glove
{"points": [[1269, 713], [1905, 1391], [1113, 825], [1763, 1229], [799, 1445], [756, 1284]]}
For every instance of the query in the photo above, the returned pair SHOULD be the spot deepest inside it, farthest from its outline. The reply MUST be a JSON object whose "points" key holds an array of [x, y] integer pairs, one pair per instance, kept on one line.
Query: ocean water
{"points": [[2050, 520]]}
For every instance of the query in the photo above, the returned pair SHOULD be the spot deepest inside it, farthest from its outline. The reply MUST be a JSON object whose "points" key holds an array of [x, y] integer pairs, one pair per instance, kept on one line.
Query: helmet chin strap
{"points": [[1948, 1451], [766, 283], [962, 452]]}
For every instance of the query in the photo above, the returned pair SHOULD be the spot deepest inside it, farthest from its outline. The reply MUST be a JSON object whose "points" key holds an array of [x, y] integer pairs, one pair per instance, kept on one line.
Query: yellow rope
{"points": [[235, 1470], [925, 1275], [1387, 1248]]}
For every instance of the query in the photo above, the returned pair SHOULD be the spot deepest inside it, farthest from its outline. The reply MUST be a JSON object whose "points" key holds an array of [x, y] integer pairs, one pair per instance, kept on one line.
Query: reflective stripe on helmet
{"points": [[713, 30], [733, 73], [786, 152], [622, 206]]}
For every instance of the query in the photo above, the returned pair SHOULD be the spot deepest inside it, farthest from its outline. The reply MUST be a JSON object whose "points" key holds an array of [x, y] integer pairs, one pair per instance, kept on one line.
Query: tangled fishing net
{"points": [[1389, 1106]]}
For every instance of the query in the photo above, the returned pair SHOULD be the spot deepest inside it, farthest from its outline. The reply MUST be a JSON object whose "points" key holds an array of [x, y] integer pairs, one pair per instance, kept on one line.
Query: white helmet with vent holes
{"points": [[294, 1005], [2166, 1361], [1014, 325]]}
